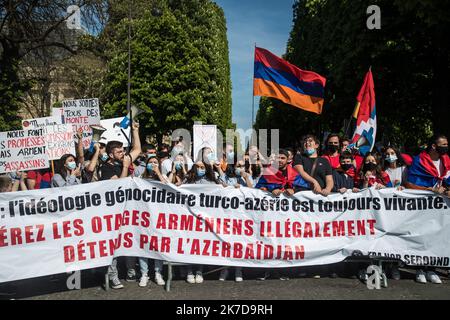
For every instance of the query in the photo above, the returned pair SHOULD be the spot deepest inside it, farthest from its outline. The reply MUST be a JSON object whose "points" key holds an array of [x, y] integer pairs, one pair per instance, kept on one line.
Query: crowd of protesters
{"points": [[337, 167]]}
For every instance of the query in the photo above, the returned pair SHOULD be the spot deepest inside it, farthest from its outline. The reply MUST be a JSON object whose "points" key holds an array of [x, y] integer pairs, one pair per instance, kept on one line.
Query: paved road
{"points": [[54, 288]]}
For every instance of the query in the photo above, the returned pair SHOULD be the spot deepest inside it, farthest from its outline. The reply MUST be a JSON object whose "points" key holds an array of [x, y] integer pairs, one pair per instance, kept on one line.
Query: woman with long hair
{"points": [[67, 173], [371, 174], [179, 170], [201, 173], [152, 172], [394, 165]]}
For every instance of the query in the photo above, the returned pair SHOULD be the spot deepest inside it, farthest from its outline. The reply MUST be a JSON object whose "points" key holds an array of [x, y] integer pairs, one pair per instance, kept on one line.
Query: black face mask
{"points": [[369, 166], [332, 148], [442, 150], [346, 166]]}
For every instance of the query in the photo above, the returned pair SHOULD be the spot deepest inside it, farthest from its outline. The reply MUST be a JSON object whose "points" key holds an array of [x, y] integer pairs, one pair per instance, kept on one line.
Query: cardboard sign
{"points": [[81, 114], [23, 150]]}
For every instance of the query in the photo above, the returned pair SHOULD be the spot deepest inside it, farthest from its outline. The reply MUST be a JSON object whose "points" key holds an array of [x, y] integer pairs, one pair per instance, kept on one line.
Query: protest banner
{"points": [[40, 122], [81, 114], [74, 228], [204, 136], [114, 132], [23, 150]]}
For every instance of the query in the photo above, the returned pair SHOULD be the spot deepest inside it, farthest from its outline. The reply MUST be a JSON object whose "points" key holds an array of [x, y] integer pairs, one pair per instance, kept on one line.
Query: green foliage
{"points": [[408, 56], [11, 93], [180, 67]]}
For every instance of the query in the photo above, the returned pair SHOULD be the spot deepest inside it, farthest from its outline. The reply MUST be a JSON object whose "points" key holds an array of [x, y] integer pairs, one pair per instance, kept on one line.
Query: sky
{"points": [[267, 23]]}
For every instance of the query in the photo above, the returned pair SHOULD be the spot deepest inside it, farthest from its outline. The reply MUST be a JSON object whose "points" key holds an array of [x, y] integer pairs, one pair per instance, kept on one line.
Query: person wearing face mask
{"points": [[118, 166], [177, 150], [228, 157], [394, 166], [332, 150], [372, 175], [200, 173], [93, 162], [68, 172], [152, 172], [148, 151], [344, 176], [179, 170], [283, 179], [430, 170], [209, 158], [315, 170], [291, 155], [235, 176]]}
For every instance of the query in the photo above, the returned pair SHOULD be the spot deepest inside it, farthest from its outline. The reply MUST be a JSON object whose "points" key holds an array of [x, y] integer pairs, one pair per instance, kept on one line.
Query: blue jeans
{"points": [[143, 264]]}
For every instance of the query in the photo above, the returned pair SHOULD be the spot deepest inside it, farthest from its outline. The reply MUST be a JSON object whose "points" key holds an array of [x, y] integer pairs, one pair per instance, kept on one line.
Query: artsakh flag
{"points": [[277, 78], [365, 113]]}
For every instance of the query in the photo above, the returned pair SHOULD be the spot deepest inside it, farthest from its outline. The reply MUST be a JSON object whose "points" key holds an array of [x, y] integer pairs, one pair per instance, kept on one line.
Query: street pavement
{"points": [[296, 288]]}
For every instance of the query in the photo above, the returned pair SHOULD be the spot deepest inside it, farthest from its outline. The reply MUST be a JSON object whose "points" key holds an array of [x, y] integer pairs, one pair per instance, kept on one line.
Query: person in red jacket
{"points": [[332, 150]]}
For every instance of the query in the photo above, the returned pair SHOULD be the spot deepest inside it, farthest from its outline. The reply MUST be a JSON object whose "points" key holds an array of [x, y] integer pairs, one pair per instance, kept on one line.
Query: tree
{"points": [[180, 70], [406, 55], [32, 29]]}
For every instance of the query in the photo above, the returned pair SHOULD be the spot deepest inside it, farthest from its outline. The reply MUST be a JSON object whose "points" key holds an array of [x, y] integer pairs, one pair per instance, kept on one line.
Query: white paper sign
{"points": [[81, 114], [113, 131], [60, 141], [23, 150], [204, 136]]}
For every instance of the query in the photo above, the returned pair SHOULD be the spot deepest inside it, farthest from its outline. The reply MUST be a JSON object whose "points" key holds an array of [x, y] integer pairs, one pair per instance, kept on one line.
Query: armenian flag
{"points": [[277, 78]]}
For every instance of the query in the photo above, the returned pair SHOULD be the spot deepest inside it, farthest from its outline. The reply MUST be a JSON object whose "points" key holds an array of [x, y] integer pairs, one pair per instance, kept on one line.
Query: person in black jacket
{"points": [[343, 177]]}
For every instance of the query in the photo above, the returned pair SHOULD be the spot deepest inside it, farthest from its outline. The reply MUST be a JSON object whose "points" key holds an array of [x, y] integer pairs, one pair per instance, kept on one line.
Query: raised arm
{"points": [[136, 147]]}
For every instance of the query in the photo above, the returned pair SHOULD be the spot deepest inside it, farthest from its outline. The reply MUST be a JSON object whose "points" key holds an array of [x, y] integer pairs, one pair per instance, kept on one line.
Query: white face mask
{"points": [[71, 165], [177, 150], [391, 158]]}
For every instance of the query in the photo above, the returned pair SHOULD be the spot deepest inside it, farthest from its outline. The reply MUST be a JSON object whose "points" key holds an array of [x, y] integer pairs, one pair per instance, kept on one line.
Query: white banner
{"points": [[81, 114], [23, 150], [51, 231]]}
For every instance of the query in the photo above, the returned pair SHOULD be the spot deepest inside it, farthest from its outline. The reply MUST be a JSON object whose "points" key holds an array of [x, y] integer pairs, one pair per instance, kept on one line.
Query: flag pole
{"points": [[253, 85], [129, 78]]}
